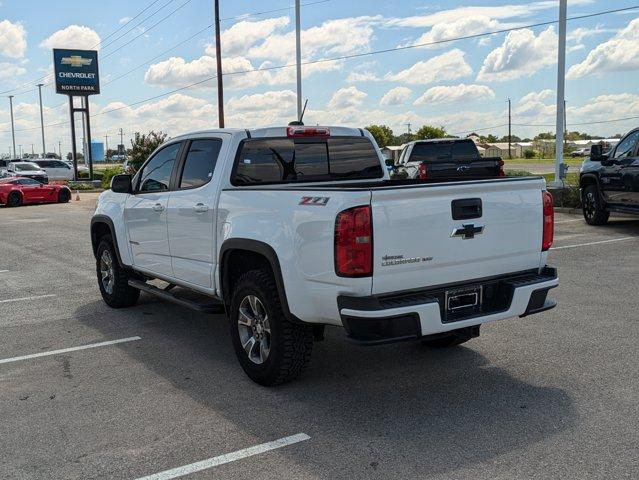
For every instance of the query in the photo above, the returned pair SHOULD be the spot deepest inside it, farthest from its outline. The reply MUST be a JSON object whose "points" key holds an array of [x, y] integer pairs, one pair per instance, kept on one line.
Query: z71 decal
{"points": [[317, 201]]}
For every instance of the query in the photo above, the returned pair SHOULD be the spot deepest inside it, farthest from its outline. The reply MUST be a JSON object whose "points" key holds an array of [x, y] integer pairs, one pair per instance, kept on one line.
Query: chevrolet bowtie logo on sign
{"points": [[76, 61], [76, 72]]}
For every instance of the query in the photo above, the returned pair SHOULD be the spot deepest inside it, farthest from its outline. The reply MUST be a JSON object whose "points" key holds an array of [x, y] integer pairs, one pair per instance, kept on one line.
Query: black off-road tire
{"points": [[64, 195], [291, 343], [14, 199], [122, 294], [454, 338], [593, 207]]}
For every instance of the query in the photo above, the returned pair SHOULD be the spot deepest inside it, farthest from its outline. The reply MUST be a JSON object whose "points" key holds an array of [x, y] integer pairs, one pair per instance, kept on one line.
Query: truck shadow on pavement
{"points": [[398, 411]]}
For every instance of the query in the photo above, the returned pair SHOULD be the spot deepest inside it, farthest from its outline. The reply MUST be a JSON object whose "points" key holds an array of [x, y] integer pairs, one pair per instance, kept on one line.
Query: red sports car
{"points": [[16, 191]]}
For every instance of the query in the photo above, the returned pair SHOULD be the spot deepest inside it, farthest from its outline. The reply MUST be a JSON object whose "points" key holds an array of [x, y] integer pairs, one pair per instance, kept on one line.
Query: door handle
{"points": [[158, 207], [200, 207]]}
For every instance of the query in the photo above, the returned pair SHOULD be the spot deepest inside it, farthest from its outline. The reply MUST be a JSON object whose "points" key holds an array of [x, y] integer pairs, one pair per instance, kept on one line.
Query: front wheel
{"points": [[270, 348], [112, 278], [64, 195], [14, 200], [594, 210]]}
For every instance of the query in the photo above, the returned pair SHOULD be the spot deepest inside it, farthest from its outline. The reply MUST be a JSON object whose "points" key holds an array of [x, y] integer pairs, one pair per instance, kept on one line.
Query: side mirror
{"points": [[122, 184], [389, 162], [596, 153]]}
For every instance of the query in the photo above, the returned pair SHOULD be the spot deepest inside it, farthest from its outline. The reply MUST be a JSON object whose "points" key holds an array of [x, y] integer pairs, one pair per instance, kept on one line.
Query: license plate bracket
{"points": [[463, 301]]}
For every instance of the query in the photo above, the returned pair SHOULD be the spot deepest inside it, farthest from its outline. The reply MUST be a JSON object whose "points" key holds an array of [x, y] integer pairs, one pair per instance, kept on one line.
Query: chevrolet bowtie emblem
{"points": [[467, 232], [76, 61]]}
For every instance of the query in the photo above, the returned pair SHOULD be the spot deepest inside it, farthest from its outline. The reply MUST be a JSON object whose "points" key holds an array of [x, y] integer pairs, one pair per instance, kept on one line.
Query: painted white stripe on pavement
{"points": [[35, 297], [594, 243], [71, 349], [4, 271], [569, 221], [227, 458]]}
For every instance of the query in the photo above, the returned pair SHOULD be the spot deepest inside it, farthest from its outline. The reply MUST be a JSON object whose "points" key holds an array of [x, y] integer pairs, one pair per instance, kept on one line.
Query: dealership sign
{"points": [[76, 72]]}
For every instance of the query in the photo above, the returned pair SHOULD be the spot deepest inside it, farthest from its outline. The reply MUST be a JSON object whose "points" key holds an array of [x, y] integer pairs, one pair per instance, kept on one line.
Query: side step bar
{"points": [[210, 307]]}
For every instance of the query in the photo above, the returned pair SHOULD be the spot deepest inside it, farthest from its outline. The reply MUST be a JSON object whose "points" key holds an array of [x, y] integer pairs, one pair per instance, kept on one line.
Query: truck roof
{"points": [[277, 131]]}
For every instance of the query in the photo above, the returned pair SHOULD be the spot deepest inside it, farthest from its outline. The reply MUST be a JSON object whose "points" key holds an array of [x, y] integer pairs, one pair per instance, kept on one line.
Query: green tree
{"points": [[514, 138], [382, 134], [143, 145], [491, 138], [428, 131], [403, 138]]}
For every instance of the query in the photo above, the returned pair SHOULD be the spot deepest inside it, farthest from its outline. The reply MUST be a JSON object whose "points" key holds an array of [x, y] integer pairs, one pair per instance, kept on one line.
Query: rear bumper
{"points": [[411, 315]]}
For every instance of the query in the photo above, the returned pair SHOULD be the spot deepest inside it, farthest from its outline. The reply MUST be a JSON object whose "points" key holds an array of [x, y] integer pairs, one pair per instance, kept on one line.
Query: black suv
{"points": [[609, 181]]}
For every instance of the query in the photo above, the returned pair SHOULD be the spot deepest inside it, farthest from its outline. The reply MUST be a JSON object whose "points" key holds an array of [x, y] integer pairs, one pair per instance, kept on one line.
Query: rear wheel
{"points": [[454, 338], [64, 195], [270, 348], [594, 210], [14, 199], [113, 280]]}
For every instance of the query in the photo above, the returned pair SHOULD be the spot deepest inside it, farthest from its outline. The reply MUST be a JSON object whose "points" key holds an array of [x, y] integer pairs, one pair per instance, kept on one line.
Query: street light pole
{"points": [[298, 58], [218, 56], [44, 148], [13, 131], [561, 92]]}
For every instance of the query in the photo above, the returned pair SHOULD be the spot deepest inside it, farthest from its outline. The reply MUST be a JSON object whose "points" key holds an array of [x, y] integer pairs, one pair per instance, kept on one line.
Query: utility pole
{"points": [[408, 127], [106, 146], [60, 149], [44, 148], [561, 92], [13, 131], [218, 56], [32, 152], [298, 58], [510, 132], [122, 143]]}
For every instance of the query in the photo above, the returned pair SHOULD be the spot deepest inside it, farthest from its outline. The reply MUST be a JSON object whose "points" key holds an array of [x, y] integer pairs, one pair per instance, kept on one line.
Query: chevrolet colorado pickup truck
{"points": [[448, 159], [291, 229], [610, 182]]}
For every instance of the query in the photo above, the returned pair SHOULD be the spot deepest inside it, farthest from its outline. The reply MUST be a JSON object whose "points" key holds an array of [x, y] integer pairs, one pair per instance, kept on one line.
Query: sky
{"points": [[150, 51]]}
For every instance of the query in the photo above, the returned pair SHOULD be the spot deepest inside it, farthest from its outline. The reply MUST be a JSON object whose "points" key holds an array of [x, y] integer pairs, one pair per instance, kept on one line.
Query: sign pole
{"points": [[74, 151], [88, 139]]}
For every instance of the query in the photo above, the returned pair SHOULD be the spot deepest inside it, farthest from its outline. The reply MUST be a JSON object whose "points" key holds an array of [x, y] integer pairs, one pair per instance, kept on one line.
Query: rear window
{"points": [[287, 160], [443, 151]]}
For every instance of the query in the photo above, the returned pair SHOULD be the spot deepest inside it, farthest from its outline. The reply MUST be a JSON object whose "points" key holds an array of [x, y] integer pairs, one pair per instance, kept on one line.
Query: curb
{"points": [[571, 211]]}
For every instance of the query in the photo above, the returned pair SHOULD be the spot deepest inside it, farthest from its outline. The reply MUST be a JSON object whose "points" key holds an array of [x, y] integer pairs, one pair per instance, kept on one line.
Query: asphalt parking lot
{"points": [[548, 396]]}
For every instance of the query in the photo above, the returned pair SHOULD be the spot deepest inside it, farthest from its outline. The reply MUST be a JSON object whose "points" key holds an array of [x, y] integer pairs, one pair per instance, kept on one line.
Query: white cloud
{"points": [[73, 36], [396, 96], [455, 93], [355, 77], [521, 55], [245, 34], [8, 70], [447, 66], [532, 105], [124, 20], [13, 39], [620, 53], [332, 38], [283, 99], [346, 98], [457, 28]]}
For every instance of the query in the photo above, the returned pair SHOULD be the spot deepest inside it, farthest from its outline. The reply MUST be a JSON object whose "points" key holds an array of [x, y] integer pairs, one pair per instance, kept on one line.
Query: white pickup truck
{"points": [[290, 229]]}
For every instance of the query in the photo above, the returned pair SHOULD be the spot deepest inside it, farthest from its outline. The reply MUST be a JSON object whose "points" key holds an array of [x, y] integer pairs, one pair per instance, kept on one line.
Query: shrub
{"points": [[80, 186], [108, 174], [518, 173], [528, 154]]}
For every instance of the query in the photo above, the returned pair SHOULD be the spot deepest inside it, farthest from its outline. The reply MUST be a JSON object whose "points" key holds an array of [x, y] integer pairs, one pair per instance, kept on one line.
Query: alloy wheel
{"points": [[254, 329], [106, 271]]}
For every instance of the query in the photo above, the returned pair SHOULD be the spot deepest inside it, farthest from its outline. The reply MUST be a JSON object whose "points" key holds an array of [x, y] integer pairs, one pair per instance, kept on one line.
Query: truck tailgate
{"points": [[418, 244]]}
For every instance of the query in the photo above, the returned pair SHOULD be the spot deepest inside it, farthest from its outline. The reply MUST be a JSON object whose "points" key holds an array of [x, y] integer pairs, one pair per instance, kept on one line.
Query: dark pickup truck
{"points": [[609, 181], [447, 159]]}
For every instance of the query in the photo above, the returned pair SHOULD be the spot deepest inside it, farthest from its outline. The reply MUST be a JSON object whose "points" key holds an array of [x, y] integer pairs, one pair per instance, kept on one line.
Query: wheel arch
{"points": [[588, 179], [102, 225], [251, 253]]}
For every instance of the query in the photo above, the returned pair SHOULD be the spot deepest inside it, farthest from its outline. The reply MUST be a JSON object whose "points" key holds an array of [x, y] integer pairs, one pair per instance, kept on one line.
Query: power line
{"points": [[126, 23], [256, 14]]}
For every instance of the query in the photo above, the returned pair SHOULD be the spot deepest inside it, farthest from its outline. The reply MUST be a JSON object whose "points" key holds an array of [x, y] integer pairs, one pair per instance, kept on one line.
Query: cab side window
{"points": [[156, 174], [626, 147], [200, 163]]}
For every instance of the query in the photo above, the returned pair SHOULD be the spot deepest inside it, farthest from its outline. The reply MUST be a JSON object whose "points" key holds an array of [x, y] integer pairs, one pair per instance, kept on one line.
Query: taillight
{"points": [[502, 172], [354, 242], [301, 131], [423, 171], [549, 222]]}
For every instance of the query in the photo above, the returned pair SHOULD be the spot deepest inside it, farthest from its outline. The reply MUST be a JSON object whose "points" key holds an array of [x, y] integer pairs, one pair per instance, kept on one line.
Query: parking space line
{"points": [[35, 297], [569, 221], [71, 349], [4, 271], [594, 243], [227, 458]]}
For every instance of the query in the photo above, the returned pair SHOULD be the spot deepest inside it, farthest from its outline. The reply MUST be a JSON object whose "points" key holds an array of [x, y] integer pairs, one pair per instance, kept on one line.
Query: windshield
{"points": [[25, 167], [444, 151]]}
